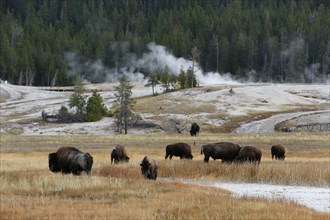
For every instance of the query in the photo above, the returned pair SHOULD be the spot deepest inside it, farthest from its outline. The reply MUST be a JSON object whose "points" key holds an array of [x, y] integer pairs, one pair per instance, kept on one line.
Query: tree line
{"points": [[274, 40]]}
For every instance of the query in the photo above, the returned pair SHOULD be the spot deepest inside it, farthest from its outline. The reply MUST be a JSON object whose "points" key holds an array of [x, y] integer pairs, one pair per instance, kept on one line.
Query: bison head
{"points": [[88, 163], [52, 162], [281, 158], [145, 168], [192, 133]]}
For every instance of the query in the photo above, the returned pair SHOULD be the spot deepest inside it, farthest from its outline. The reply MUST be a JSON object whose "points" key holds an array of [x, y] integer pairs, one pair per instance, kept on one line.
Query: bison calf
{"points": [[149, 168], [70, 160], [249, 154], [181, 150], [278, 152], [226, 151], [118, 154]]}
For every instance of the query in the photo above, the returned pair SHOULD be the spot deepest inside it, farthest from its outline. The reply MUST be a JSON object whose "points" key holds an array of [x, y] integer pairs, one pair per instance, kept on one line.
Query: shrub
{"points": [[63, 110], [95, 108]]}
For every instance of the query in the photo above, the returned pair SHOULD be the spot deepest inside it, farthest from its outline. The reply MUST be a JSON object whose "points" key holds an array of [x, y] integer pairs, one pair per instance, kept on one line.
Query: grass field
{"points": [[30, 191]]}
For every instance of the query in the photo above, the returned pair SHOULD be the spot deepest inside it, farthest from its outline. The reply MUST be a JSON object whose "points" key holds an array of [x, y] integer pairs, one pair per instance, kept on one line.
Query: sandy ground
{"points": [[21, 106]]}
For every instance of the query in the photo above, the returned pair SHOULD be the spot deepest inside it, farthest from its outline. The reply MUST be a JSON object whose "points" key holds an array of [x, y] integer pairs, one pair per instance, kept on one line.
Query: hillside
{"points": [[213, 107]]}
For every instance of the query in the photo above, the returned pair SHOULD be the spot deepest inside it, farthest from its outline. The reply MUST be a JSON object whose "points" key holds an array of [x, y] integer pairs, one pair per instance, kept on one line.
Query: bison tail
{"points": [[202, 150]]}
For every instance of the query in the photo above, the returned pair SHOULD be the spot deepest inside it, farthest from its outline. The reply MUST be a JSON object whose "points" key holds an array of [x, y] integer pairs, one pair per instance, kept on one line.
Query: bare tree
{"points": [[195, 53], [326, 63], [124, 99]]}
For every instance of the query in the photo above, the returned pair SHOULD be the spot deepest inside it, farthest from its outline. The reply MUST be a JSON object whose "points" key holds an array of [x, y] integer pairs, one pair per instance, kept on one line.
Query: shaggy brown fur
{"points": [[70, 160], [181, 150], [149, 168], [278, 152], [226, 151]]}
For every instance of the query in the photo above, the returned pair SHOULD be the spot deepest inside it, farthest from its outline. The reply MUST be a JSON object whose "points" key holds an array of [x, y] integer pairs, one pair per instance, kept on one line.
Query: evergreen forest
{"points": [[276, 40]]}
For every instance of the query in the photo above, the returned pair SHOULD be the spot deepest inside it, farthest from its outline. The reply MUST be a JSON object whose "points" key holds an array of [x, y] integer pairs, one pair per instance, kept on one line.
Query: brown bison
{"points": [[70, 160], [149, 168], [226, 151], [278, 152], [118, 154], [181, 150], [194, 129], [249, 154]]}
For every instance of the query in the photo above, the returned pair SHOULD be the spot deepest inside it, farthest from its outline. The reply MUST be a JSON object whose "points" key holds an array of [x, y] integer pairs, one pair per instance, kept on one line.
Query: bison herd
{"points": [[71, 160]]}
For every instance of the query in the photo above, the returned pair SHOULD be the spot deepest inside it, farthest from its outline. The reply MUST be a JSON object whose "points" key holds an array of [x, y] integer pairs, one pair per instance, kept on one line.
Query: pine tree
{"points": [[95, 108], [123, 94], [182, 79], [191, 81], [165, 79], [77, 99], [152, 81]]}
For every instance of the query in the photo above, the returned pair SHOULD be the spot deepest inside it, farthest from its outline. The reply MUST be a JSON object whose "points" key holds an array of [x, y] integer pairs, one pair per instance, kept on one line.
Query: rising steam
{"points": [[154, 60]]}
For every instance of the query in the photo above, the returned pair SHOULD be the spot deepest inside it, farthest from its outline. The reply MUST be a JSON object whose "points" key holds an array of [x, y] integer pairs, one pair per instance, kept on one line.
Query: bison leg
{"points": [[153, 176], [171, 157], [206, 159], [166, 156], [78, 172]]}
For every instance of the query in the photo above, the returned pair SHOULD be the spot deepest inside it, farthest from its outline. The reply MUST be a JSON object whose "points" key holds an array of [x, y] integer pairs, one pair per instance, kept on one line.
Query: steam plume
{"points": [[154, 60]]}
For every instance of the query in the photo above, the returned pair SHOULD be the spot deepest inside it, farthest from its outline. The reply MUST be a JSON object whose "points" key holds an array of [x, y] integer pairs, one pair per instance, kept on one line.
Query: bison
{"points": [[118, 154], [70, 160], [181, 150], [249, 154], [194, 129], [226, 151], [278, 152], [149, 168]]}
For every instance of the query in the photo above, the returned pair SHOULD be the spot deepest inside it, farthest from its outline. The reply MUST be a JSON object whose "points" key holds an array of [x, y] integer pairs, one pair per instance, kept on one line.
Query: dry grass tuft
{"points": [[119, 172]]}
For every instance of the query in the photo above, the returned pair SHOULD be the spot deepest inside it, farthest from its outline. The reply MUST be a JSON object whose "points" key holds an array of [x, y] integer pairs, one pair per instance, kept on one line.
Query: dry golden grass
{"points": [[30, 191], [171, 105]]}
